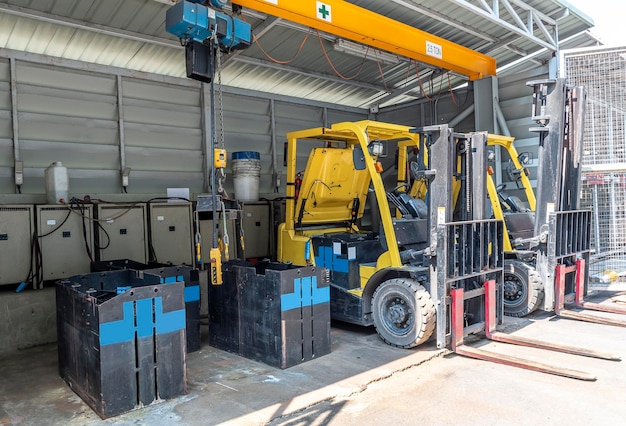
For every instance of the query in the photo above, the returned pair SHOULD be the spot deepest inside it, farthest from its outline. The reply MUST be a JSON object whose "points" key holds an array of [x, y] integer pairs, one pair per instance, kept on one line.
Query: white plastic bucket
{"points": [[57, 183], [246, 167]]}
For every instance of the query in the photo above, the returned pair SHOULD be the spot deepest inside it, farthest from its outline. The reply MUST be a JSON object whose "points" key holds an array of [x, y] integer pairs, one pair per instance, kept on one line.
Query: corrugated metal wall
{"points": [[97, 123]]}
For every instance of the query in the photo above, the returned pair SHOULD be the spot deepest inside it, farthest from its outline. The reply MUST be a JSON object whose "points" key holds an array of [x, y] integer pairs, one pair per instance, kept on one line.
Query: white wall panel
{"points": [[36, 126], [161, 113], [62, 78], [164, 160], [150, 135], [150, 91]]}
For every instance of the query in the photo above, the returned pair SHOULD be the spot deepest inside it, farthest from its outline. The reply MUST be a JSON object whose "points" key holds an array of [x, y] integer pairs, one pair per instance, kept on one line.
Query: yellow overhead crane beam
{"points": [[355, 23]]}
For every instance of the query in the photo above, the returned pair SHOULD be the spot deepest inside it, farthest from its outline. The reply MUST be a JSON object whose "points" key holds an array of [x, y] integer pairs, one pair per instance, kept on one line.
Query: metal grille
{"points": [[603, 73], [605, 195]]}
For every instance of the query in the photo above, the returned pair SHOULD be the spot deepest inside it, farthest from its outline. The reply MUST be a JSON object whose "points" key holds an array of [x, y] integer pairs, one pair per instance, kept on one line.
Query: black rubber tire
{"points": [[523, 289], [403, 312]]}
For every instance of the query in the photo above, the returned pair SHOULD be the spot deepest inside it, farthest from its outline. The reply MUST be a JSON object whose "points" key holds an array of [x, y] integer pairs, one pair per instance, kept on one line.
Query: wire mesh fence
{"points": [[602, 71]]}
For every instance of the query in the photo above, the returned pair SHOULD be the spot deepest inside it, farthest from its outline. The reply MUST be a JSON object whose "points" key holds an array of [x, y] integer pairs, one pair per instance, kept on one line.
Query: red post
{"points": [[490, 308], [456, 318], [580, 282], [559, 288]]}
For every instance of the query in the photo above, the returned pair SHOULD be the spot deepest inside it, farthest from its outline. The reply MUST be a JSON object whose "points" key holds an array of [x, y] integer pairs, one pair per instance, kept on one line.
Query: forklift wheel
{"points": [[523, 290], [403, 312]]}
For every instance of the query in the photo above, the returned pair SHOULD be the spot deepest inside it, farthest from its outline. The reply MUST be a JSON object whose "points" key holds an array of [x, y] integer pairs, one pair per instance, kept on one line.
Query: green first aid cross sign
{"points": [[324, 12]]}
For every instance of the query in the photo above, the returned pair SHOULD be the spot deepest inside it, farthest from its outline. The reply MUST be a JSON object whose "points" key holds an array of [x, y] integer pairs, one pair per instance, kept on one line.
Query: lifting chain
{"points": [[220, 116], [220, 99]]}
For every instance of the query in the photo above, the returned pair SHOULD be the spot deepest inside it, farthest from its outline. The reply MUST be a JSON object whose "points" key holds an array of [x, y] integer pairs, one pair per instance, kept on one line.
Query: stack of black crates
{"points": [[275, 313], [121, 339]]}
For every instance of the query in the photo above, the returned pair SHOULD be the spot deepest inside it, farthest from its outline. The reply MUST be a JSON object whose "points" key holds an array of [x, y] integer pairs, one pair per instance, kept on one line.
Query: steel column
{"points": [[14, 120], [120, 124], [485, 98], [276, 170]]}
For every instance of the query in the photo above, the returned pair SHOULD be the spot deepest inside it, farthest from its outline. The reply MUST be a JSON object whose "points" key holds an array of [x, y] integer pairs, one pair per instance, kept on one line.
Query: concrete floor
{"points": [[363, 381]]}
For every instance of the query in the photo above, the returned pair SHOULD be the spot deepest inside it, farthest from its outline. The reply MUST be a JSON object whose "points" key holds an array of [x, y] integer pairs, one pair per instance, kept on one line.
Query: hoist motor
{"points": [[195, 24]]}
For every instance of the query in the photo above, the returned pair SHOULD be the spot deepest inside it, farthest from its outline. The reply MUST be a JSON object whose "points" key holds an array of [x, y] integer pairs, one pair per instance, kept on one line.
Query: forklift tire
{"points": [[403, 312], [523, 289]]}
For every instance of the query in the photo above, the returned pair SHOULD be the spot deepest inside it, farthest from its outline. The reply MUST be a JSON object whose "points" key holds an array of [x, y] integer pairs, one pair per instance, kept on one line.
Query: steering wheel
{"points": [[402, 185]]}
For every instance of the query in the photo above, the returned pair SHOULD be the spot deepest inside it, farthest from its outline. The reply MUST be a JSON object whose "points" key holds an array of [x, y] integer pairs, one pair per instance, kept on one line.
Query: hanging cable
{"points": [[288, 61], [226, 238], [380, 70], [419, 80], [198, 241], [81, 207], [440, 91], [408, 73], [451, 93], [242, 242]]}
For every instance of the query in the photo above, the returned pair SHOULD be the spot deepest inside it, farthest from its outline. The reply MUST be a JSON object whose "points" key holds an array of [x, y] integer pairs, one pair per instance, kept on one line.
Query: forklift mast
{"points": [[559, 112]]}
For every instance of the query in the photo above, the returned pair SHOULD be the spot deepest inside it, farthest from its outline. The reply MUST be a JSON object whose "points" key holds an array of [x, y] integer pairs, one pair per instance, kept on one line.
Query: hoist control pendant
{"points": [[215, 267], [219, 158]]}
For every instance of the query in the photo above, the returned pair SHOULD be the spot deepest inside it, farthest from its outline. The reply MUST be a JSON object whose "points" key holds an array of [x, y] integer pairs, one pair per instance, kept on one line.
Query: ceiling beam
{"points": [[525, 29], [411, 5], [87, 26]]}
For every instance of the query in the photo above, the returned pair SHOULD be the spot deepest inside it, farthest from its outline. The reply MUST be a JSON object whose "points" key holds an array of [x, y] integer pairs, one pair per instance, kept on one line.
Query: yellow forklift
{"points": [[381, 275]]}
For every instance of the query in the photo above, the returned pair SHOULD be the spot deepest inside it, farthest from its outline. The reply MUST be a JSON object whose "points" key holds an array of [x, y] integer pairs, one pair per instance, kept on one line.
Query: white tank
{"points": [[57, 183]]}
